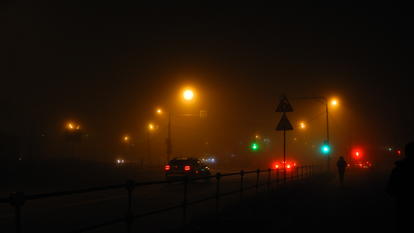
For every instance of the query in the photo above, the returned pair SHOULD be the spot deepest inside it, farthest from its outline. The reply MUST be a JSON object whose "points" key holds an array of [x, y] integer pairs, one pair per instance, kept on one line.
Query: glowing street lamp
{"points": [[72, 126], [126, 138], [159, 111], [151, 127], [334, 102], [302, 125], [188, 94]]}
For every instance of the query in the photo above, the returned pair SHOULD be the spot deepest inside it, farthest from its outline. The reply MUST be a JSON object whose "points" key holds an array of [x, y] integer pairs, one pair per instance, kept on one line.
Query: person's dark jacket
{"points": [[400, 184], [341, 164]]}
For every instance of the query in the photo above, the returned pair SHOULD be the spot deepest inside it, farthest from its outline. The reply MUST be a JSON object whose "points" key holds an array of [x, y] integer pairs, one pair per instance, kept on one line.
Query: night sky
{"points": [[109, 66]]}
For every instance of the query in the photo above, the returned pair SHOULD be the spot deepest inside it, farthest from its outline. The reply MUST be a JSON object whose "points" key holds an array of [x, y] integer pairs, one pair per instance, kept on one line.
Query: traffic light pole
{"points": [[327, 134], [284, 156], [168, 141]]}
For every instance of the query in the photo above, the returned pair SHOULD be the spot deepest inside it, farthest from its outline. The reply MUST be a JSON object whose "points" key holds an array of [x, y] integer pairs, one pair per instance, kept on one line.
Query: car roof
{"points": [[184, 158]]}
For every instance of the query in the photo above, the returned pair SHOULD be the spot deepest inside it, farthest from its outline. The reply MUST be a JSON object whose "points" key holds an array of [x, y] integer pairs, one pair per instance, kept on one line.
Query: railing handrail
{"points": [[120, 186], [18, 199]]}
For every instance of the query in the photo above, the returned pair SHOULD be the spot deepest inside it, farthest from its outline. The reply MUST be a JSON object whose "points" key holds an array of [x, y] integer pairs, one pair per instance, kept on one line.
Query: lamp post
{"points": [[334, 102], [188, 95], [73, 134], [151, 128]]}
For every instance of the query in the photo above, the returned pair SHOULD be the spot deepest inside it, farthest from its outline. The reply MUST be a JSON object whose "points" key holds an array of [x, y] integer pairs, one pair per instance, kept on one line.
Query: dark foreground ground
{"points": [[318, 206], [313, 205]]}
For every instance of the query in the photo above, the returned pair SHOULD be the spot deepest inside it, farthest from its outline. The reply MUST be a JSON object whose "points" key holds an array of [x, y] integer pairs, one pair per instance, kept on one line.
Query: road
{"points": [[319, 206], [63, 214]]}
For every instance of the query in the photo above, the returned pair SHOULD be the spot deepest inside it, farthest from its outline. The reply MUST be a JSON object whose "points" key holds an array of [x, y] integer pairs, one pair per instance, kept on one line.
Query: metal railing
{"points": [[18, 199]]}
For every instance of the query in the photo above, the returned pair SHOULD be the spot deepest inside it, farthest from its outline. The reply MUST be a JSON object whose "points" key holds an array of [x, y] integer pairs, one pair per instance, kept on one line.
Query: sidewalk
{"points": [[317, 206]]}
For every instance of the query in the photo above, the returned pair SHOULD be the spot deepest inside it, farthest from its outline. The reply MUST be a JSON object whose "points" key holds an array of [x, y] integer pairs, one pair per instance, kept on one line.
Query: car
{"points": [[289, 165], [181, 167], [360, 164]]}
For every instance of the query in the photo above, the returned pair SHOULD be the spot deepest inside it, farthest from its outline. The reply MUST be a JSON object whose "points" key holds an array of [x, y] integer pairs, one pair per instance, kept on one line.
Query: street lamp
{"points": [[159, 111], [334, 102], [126, 138], [151, 127], [302, 125], [73, 134], [188, 94]]}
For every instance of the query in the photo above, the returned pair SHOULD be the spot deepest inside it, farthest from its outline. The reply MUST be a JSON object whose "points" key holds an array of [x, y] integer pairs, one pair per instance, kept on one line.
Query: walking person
{"points": [[341, 164], [400, 187]]}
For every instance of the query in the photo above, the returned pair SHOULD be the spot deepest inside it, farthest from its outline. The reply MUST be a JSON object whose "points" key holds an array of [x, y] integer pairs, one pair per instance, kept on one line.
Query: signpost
{"points": [[284, 125]]}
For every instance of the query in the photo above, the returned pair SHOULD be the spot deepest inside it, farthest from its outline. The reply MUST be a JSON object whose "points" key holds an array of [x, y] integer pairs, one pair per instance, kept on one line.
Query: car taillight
{"points": [[187, 168], [167, 167], [288, 166], [277, 166]]}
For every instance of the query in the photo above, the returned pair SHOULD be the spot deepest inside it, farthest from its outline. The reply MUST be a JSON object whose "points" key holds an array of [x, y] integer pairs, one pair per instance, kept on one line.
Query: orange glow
{"points": [[151, 127], [188, 94], [72, 126], [126, 138], [159, 111], [302, 125], [334, 102]]}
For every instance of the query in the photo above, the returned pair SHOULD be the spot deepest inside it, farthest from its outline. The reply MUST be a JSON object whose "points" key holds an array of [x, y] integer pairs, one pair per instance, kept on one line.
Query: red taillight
{"points": [[288, 166], [167, 167], [187, 168], [277, 166]]}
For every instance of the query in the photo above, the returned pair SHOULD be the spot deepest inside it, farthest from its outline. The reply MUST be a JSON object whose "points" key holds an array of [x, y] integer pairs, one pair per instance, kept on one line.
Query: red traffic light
{"points": [[357, 153]]}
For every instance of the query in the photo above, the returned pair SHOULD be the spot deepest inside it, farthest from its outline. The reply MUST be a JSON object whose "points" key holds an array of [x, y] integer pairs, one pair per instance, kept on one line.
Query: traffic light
{"points": [[357, 153], [326, 149], [254, 146]]}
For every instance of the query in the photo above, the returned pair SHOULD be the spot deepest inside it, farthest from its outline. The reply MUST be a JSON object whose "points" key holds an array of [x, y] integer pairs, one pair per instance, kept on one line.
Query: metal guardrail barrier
{"points": [[18, 199]]}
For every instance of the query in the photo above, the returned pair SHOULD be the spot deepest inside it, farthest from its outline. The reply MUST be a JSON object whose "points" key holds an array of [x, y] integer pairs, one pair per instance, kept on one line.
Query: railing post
{"points": [[269, 178], [297, 173], [17, 200], [241, 184], [277, 177], [301, 176], [129, 218], [257, 180], [218, 178], [186, 180]]}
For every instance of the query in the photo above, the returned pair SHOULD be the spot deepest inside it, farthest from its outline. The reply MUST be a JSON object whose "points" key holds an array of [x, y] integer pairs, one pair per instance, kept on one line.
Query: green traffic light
{"points": [[325, 149], [254, 146]]}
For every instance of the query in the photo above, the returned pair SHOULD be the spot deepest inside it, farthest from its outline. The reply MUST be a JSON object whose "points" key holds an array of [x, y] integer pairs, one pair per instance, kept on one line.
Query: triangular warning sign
{"points": [[284, 124], [284, 105]]}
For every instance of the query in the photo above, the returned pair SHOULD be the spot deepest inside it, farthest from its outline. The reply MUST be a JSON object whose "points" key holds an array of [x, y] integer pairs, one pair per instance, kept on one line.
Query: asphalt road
{"points": [[63, 214], [317, 206]]}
